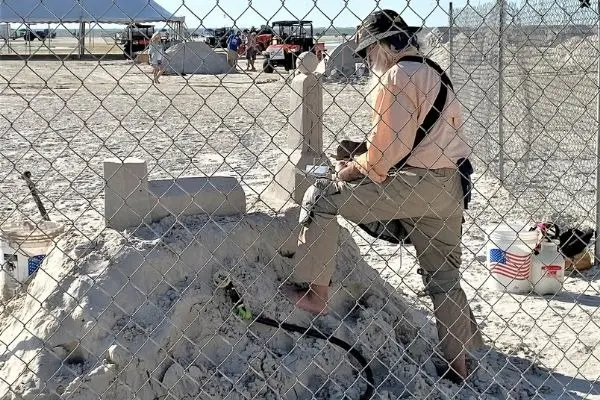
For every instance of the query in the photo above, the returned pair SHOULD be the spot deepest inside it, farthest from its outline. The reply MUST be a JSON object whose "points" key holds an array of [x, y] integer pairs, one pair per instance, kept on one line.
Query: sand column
{"points": [[126, 199], [305, 136]]}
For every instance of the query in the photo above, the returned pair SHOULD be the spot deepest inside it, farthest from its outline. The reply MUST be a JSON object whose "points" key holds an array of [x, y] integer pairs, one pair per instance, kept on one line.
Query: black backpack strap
{"points": [[432, 64], [438, 105]]}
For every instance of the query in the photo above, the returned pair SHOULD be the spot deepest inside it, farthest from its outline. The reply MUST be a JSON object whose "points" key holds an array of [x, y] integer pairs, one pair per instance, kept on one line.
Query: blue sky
{"points": [[343, 13]]}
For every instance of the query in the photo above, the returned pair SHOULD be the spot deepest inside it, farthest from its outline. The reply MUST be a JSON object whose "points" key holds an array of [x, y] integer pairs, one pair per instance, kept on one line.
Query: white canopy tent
{"points": [[77, 11], [29, 12]]}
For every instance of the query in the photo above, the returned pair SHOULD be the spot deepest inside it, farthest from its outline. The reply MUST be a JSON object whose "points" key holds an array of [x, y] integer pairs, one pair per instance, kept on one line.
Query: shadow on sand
{"points": [[505, 376]]}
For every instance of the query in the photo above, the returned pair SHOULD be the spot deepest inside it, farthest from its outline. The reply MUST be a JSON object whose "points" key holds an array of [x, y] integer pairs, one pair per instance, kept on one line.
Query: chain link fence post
{"points": [[450, 38], [501, 45], [597, 242], [529, 123]]}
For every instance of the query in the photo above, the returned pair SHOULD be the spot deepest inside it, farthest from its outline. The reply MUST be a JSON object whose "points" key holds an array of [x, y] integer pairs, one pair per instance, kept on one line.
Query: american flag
{"points": [[510, 265]]}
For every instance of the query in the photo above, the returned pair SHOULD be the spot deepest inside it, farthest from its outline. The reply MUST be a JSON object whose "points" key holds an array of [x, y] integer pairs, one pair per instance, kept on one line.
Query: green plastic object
{"points": [[244, 313]]}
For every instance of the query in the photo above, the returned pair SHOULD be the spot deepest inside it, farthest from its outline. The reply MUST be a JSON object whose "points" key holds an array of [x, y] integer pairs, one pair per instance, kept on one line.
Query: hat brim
{"points": [[363, 44]]}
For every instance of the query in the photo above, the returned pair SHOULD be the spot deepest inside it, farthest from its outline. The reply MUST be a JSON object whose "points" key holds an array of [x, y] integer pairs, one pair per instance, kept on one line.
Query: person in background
{"points": [[244, 42], [418, 186], [155, 53], [251, 51], [233, 43]]}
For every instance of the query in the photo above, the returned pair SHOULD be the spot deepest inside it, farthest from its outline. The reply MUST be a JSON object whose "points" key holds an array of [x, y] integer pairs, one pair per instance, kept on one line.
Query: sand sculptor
{"points": [[422, 188]]}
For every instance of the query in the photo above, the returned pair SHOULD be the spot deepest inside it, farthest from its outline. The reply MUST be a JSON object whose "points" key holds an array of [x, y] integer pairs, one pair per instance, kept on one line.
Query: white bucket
{"points": [[509, 256], [23, 246]]}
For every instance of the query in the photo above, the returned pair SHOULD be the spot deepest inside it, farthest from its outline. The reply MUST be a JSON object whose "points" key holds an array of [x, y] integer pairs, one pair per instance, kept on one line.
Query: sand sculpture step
{"points": [[131, 199], [216, 195]]}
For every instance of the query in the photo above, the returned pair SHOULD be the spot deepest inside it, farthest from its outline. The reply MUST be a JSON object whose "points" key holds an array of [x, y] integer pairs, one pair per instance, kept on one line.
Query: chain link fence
{"points": [[529, 78], [150, 228]]}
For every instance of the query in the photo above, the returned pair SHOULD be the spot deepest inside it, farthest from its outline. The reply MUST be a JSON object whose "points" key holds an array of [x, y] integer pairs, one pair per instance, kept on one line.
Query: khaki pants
{"points": [[232, 57], [429, 203]]}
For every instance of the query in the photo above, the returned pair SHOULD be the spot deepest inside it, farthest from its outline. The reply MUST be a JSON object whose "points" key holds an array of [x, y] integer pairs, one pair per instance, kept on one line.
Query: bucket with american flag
{"points": [[509, 256]]}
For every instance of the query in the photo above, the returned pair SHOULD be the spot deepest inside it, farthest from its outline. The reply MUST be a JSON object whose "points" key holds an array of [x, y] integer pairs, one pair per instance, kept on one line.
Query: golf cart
{"points": [[221, 35], [290, 39], [264, 36], [210, 37], [135, 38]]}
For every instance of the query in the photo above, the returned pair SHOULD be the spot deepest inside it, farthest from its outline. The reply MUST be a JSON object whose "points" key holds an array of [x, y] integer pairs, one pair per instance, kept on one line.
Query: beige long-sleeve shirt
{"points": [[404, 97]]}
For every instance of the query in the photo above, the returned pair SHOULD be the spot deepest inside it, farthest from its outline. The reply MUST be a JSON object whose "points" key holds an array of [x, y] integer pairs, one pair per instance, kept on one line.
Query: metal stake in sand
{"points": [[34, 193]]}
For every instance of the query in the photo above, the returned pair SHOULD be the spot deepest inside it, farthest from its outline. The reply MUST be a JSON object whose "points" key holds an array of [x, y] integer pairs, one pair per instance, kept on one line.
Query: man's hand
{"points": [[348, 172], [341, 165]]}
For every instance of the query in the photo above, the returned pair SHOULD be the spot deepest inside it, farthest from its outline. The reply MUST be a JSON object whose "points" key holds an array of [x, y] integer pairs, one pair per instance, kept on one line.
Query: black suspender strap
{"points": [[438, 105]]}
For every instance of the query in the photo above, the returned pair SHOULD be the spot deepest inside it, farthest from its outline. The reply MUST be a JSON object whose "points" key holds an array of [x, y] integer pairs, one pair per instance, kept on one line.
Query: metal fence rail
{"points": [[165, 260]]}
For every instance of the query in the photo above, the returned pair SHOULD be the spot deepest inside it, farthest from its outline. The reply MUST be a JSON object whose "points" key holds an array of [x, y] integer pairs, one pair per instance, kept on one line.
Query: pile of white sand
{"points": [[138, 316], [194, 58], [342, 61]]}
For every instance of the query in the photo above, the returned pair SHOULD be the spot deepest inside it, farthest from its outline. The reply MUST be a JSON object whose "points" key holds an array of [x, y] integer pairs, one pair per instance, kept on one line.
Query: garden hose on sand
{"points": [[223, 281]]}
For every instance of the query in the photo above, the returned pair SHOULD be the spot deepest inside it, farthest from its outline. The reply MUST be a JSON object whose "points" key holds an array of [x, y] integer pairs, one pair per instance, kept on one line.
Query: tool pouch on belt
{"points": [[465, 168]]}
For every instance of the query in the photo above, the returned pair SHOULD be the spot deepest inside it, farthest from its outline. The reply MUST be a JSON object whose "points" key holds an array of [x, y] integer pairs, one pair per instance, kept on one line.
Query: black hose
{"points": [[331, 339], [242, 311]]}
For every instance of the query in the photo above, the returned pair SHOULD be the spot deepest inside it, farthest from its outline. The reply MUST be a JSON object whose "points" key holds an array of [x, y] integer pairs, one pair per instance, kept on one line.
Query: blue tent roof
{"points": [[69, 11]]}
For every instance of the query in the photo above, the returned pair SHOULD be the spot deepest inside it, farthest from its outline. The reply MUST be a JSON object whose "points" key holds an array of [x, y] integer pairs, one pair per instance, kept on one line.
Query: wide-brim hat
{"points": [[380, 25]]}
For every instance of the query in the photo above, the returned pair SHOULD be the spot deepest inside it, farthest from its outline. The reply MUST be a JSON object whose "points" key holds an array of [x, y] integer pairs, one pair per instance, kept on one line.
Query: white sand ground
{"points": [[61, 120]]}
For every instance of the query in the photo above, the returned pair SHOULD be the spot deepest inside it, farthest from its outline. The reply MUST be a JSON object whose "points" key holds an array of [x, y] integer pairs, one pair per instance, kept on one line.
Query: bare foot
{"points": [[307, 300]]}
